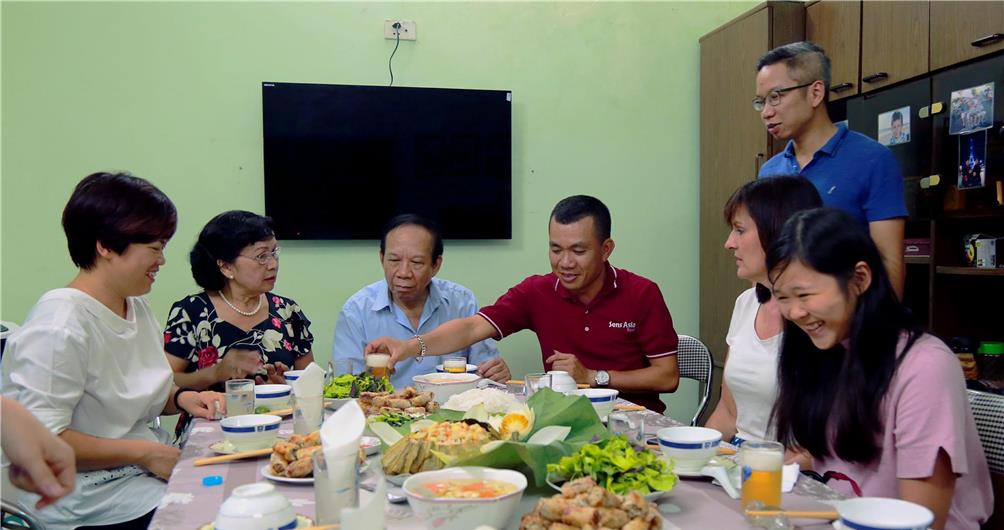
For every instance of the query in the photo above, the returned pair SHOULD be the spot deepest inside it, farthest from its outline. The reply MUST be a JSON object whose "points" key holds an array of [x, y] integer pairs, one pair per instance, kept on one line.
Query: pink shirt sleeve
{"points": [[930, 408]]}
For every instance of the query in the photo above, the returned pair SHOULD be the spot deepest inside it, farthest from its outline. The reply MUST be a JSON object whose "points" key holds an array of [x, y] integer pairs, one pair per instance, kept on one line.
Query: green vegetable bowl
{"points": [[617, 466]]}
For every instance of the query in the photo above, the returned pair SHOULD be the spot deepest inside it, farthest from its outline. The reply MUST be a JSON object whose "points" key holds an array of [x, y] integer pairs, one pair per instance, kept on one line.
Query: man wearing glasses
{"points": [[851, 171]]}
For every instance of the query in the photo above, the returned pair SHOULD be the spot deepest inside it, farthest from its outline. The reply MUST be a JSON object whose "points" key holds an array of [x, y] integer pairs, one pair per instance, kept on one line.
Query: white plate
{"points": [[334, 403], [266, 471], [470, 368], [370, 444], [689, 474], [223, 447]]}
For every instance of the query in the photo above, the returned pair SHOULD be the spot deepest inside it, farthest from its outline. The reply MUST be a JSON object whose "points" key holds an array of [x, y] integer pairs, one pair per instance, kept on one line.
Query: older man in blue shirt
{"points": [[410, 301]]}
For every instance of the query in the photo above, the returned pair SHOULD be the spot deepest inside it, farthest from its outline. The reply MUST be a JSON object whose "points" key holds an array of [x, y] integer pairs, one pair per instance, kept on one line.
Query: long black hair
{"points": [[831, 401], [770, 202]]}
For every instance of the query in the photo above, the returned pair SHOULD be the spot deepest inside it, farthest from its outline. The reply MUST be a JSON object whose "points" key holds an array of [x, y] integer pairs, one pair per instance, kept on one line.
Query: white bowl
{"points": [[471, 368], [562, 382], [602, 399], [464, 514], [444, 385], [292, 375], [275, 397], [689, 447], [256, 507], [251, 431], [887, 514]]}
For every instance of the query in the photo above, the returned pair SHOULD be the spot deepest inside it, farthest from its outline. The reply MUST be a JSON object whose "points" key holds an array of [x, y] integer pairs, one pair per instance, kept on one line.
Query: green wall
{"points": [[605, 102]]}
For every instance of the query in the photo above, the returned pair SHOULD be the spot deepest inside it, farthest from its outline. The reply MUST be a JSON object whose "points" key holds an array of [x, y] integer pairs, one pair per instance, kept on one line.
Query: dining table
{"points": [[192, 500]]}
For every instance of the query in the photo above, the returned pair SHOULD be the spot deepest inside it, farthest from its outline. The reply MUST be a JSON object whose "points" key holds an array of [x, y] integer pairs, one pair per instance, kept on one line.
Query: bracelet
{"points": [[178, 394], [421, 353]]}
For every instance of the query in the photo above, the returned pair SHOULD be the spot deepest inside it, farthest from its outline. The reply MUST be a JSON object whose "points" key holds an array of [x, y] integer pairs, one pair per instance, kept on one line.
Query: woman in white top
{"points": [[89, 361], [755, 213]]}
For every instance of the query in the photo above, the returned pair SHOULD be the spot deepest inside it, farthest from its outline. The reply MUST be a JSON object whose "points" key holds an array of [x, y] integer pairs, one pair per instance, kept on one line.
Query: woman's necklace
{"points": [[251, 313]]}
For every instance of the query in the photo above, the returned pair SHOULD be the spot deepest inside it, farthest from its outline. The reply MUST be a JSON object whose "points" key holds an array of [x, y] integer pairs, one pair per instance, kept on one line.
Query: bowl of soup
{"points": [[461, 498]]}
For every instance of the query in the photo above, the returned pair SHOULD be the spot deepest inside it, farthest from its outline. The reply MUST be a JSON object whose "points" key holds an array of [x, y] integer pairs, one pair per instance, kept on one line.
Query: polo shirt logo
{"points": [[630, 326]]}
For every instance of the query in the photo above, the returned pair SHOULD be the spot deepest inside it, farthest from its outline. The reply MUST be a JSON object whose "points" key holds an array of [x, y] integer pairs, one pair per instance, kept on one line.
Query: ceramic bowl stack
{"points": [[275, 397], [251, 431], [464, 514], [256, 507], [690, 448]]}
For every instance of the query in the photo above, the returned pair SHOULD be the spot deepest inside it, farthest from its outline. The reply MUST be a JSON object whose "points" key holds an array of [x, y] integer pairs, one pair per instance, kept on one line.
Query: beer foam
{"points": [[377, 360], [762, 460]]}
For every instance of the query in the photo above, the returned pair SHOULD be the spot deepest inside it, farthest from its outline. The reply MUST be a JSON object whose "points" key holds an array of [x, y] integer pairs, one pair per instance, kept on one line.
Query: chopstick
{"points": [[521, 382], [280, 412], [722, 451], [324, 527], [235, 456], [829, 516], [628, 407]]}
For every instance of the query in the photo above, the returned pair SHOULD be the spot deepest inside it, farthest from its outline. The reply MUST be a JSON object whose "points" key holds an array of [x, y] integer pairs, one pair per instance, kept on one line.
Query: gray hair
{"points": [[806, 62]]}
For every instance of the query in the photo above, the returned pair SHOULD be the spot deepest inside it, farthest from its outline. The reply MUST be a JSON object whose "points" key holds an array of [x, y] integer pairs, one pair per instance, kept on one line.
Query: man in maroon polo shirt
{"points": [[606, 327]]}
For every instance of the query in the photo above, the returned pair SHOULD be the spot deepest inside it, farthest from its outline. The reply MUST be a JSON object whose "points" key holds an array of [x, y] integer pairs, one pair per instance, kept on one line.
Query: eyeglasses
{"points": [[774, 96], [263, 258]]}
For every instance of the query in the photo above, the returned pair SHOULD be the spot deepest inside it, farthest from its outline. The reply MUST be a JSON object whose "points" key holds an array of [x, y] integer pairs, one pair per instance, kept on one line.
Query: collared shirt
{"points": [[852, 172], [370, 314], [622, 328]]}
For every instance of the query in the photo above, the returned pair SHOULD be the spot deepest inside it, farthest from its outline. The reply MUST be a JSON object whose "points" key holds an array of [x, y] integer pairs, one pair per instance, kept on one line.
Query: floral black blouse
{"points": [[195, 332]]}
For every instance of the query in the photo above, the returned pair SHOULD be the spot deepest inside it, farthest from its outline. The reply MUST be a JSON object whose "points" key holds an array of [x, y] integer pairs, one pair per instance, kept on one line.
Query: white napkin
{"points": [[341, 432], [789, 475], [310, 383]]}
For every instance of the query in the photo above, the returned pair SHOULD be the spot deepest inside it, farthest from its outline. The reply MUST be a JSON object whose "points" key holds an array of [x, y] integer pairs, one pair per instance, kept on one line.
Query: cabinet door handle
{"points": [[988, 40], [841, 87], [878, 76]]}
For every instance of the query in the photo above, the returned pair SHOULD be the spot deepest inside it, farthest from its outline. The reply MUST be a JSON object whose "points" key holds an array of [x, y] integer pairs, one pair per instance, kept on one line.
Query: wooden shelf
{"points": [[969, 271], [917, 260], [971, 214]]}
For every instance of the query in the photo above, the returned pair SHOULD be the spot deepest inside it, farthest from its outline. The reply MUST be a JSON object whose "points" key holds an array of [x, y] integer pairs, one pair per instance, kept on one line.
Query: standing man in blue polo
{"points": [[851, 171], [411, 300]]}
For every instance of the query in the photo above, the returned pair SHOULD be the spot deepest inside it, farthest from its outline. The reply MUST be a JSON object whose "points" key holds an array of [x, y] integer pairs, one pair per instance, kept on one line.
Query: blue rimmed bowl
{"points": [[251, 431], [690, 448]]}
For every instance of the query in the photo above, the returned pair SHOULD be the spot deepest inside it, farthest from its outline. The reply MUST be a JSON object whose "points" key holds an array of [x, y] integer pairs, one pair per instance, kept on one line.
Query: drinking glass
{"points": [[308, 413], [455, 365], [376, 364], [535, 382], [760, 465], [348, 366], [240, 397], [336, 486]]}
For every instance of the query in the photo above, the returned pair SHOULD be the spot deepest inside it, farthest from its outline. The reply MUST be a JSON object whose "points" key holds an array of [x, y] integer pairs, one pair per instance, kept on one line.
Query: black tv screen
{"points": [[341, 160]]}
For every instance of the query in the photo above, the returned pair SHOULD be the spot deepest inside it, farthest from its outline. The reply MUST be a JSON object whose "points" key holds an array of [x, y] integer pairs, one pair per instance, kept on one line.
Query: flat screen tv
{"points": [[341, 160]]}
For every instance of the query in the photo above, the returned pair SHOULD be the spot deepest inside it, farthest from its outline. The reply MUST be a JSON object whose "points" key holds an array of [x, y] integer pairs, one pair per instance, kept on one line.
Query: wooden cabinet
{"points": [[733, 145], [836, 26], [964, 30], [894, 42]]}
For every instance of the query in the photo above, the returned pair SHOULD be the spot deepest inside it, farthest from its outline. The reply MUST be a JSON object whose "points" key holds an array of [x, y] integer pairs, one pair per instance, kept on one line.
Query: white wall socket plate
{"points": [[409, 31]]}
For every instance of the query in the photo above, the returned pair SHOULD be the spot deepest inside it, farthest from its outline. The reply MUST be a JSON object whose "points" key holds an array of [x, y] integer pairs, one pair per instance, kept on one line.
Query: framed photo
{"points": [[972, 160], [894, 126], [972, 109]]}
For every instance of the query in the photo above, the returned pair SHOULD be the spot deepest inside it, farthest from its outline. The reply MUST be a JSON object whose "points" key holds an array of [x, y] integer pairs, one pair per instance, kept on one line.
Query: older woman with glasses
{"points": [[236, 327]]}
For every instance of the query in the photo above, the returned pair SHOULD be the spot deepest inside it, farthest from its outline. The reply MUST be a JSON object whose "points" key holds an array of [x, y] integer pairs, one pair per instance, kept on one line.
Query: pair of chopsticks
{"points": [[236, 456], [521, 382], [791, 514]]}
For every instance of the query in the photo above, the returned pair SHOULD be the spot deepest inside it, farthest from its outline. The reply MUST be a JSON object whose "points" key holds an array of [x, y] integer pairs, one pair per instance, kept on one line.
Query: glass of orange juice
{"points": [[761, 465]]}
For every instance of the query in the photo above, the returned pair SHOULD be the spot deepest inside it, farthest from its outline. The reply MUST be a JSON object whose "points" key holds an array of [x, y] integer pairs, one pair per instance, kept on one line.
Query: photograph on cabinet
{"points": [[894, 126], [972, 160], [972, 109]]}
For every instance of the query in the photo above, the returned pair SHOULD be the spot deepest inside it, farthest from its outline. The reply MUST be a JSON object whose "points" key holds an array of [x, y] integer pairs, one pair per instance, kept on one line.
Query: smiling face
{"points": [[578, 257], [744, 242], [247, 274], [793, 113], [896, 128], [135, 269], [408, 265], [816, 302]]}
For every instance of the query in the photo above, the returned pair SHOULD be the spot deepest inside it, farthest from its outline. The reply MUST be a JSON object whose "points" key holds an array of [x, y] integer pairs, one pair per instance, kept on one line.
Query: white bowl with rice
{"points": [[445, 385]]}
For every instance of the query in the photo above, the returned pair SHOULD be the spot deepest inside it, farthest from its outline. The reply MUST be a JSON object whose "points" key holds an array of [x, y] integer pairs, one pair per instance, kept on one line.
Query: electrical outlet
{"points": [[408, 30]]}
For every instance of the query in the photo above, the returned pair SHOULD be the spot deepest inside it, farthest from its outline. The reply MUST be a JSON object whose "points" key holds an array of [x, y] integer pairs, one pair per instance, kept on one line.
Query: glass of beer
{"points": [[376, 364], [761, 465], [455, 365]]}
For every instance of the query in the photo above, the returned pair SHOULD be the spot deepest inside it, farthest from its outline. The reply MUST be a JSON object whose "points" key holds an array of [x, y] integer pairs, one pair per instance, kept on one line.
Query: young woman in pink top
{"points": [[861, 388]]}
